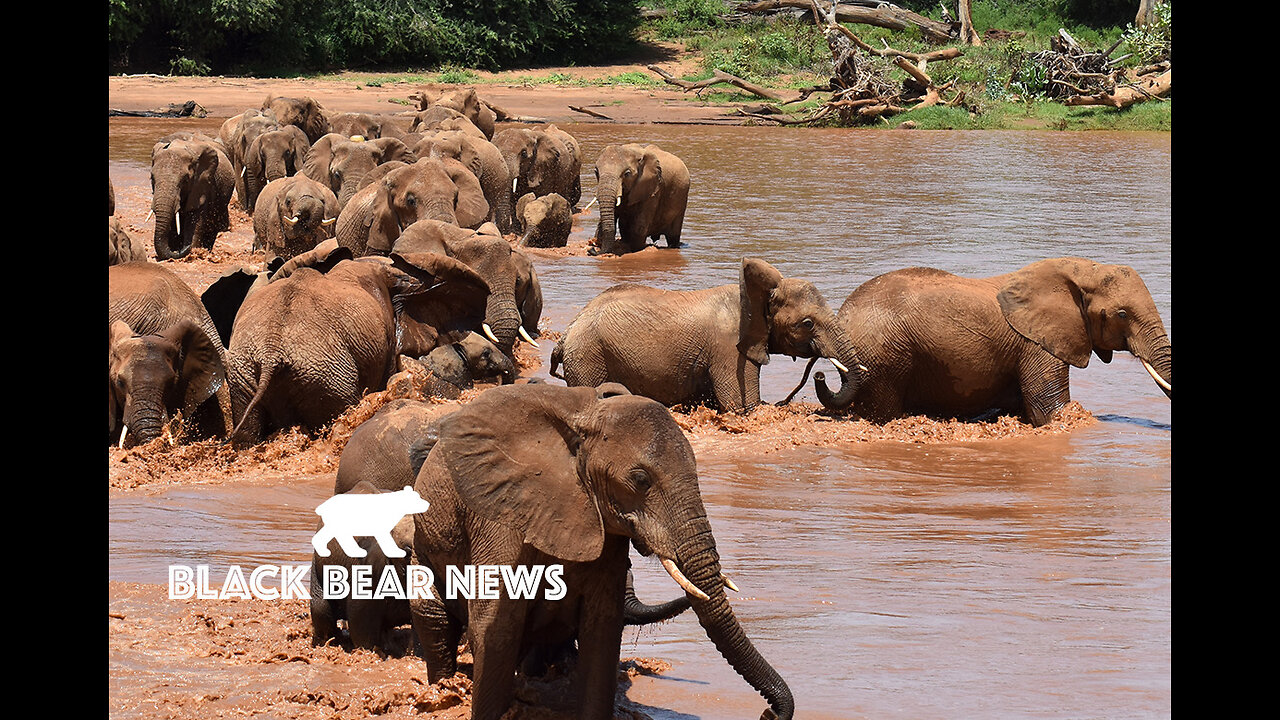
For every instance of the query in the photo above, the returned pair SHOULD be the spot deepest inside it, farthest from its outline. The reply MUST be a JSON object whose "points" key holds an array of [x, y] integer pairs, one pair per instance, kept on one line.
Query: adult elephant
{"points": [[307, 347], [945, 345], [270, 156], [544, 475], [567, 179], [643, 192], [343, 163], [515, 294], [533, 159], [432, 188], [305, 113], [165, 355], [484, 160], [236, 135], [702, 345], [350, 124], [191, 187], [468, 104], [294, 214]]}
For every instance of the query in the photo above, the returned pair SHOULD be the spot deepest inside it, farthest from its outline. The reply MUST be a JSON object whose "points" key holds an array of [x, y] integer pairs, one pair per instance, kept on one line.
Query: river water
{"points": [[1021, 577]]}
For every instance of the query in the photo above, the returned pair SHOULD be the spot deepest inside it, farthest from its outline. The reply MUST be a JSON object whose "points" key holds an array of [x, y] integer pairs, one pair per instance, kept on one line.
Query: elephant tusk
{"points": [[839, 365], [863, 368], [670, 566], [593, 202], [514, 183], [123, 433], [149, 216], [1156, 376], [618, 202], [292, 220], [177, 222], [488, 332], [328, 222], [525, 334], [243, 170], [729, 583]]}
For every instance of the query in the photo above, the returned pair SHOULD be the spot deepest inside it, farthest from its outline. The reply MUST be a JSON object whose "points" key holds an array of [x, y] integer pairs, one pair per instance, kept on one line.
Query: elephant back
{"points": [[151, 298]]}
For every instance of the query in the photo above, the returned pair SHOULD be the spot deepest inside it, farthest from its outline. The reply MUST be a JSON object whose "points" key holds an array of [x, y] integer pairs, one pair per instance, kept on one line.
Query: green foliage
{"points": [[1154, 42], [457, 76], [187, 66], [688, 16], [276, 36], [755, 52]]}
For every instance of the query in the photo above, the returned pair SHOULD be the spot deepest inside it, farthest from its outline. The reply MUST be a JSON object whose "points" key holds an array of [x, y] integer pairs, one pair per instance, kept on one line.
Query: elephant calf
{"points": [[455, 367], [545, 221]]}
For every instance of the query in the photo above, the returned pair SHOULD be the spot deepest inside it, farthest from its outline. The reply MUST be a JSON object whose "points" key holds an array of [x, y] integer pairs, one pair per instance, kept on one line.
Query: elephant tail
{"points": [[263, 381], [557, 357]]}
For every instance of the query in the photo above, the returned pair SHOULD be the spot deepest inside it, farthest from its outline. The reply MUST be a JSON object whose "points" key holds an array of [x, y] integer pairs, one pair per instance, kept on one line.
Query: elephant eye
{"points": [[411, 201], [807, 323], [641, 480], [1122, 314]]}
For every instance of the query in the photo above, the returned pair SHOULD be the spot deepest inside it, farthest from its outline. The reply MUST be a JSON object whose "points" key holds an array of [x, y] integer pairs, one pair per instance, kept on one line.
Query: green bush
{"points": [[1153, 43]]}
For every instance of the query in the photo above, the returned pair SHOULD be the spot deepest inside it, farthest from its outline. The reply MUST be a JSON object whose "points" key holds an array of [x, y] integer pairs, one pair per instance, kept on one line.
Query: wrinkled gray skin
{"points": [[459, 365], [270, 156], [468, 104], [236, 135], [627, 335], [121, 247], [544, 221], [567, 181], [305, 113], [484, 160], [343, 164], [515, 295], [610, 473], [378, 457], [191, 187], [294, 215], [1004, 343], [431, 188], [307, 347], [363, 124], [150, 300], [643, 192]]}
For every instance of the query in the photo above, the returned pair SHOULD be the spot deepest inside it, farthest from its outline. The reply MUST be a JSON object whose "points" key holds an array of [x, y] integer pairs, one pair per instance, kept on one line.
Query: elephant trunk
{"points": [[502, 318], [1153, 348], [701, 566], [145, 420], [836, 345], [636, 612], [171, 240], [608, 193]]}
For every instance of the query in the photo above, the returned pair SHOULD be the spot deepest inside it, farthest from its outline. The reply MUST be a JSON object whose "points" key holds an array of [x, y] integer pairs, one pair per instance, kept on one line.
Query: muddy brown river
{"points": [[1025, 577]]}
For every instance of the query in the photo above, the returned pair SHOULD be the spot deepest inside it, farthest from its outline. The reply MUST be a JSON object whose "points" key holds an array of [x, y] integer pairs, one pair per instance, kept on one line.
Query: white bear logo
{"points": [[365, 514]]}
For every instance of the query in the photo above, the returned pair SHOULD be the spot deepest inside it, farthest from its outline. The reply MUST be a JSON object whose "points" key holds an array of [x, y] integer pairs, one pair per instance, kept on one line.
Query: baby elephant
{"points": [[389, 517], [545, 221], [293, 215], [452, 368]]}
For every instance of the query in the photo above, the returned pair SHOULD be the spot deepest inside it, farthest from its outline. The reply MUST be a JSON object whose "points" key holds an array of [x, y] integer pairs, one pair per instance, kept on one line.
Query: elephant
{"points": [[944, 345], [543, 475], [515, 294], [627, 335], [468, 104], [270, 156], [145, 302], [191, 187], [455, 367], [306, 347], [343, 164], [370, 621], [484, 160], [567, 179], [350, 124], [294, 215], [443, 119], [111, 197], [236, 135], [121, 247], [433, 187], [545, 221], [643, 192], [304, 112]]}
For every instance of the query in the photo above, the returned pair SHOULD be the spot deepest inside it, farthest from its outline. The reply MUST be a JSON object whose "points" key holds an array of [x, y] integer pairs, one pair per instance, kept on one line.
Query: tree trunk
{"points": [[968, 35], [885, 16], [1146, 13]]}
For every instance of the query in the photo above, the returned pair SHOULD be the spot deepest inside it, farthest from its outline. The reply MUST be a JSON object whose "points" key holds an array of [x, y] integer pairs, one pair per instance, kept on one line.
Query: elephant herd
{"points": [[396, 249]]}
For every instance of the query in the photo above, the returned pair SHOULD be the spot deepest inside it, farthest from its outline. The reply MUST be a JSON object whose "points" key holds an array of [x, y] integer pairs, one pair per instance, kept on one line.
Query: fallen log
{"points": [[1127, 94], [587, 111], [885, 15], [717, 77]]}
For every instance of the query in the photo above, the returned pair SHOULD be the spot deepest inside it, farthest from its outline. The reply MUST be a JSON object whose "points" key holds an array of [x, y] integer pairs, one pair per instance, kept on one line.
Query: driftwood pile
{"points": [[1074, 76]]}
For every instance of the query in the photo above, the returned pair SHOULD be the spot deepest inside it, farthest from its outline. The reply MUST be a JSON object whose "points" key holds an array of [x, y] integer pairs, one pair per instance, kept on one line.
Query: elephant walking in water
{"points": [[702, 345], [950, 346]]}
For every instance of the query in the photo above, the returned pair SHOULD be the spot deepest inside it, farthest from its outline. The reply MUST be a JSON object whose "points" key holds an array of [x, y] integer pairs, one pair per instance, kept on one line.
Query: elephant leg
{"points": [[438, 633], [735, 380], [324, 622], [365, 622], [600, 637], [1045, 382], [496, 634]]}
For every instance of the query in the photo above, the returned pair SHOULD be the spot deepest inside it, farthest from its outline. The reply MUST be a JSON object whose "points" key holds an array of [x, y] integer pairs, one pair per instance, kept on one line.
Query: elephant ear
{"points": [[222, 300], [388, 149], [315, 165], [513, 456], [322, 258], [200, 369], [1043, 302], [471, 208], [445, 300], [650, 180], [384, 221], [755, 286]]}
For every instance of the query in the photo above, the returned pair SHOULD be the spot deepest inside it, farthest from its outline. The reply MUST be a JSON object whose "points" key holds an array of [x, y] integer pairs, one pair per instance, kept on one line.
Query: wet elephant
{"points": [[270, 156], [343, 164], [628, 333], [484, 160], [191, 187], [643, 192], [944, 345], [305, 113], [307, 347], [294, 215], [544, 475]]}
